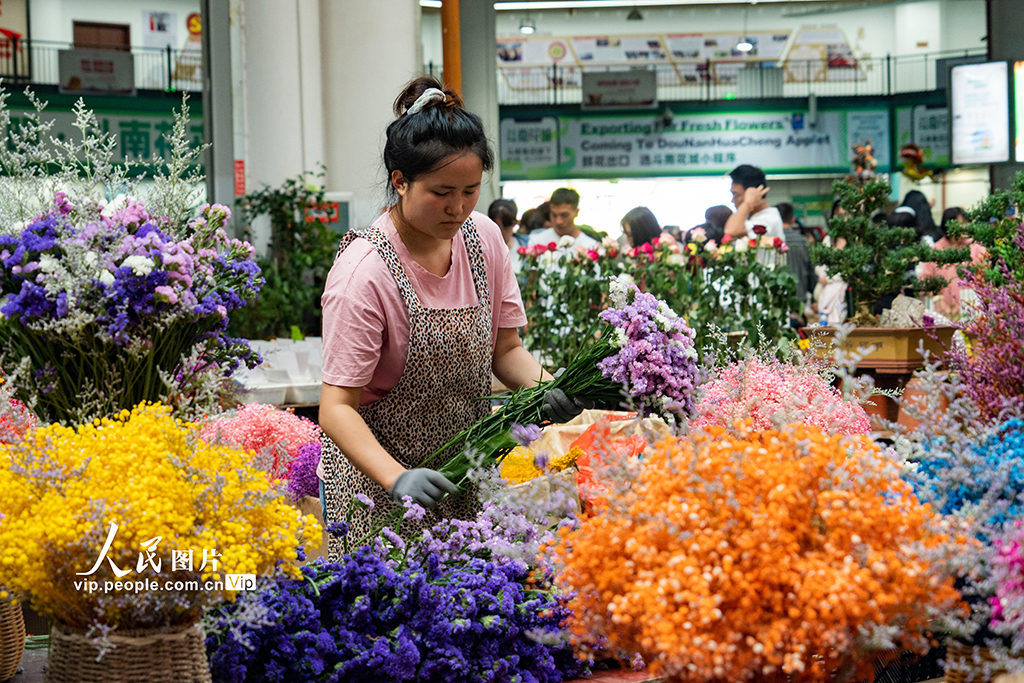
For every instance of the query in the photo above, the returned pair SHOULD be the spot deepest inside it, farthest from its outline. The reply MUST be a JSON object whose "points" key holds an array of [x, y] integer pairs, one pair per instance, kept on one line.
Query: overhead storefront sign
{"points": [[644, 145]]}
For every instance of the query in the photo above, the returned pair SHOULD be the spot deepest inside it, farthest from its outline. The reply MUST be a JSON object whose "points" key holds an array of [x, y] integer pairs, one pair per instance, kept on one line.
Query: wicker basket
{"points": [[975, 674], [12, 638], [175, 656]]}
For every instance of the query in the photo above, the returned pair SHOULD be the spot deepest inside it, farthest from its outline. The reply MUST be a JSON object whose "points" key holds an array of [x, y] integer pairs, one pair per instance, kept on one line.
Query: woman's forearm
{"points": [[354, 439], [514, 365]]}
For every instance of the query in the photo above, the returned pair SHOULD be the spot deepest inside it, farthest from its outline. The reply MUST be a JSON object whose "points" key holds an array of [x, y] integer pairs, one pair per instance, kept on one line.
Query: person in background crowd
{"points": [[927, 231], [545, 211], [749, 189], [830, 292], [565, 206], [418, 310], [640, 226], [948, 301], [798, 257], [503, 212], [532, 221], [714, 223]]}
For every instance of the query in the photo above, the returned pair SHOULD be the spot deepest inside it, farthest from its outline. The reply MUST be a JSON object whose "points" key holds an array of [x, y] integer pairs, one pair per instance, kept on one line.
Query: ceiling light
{"points": [[634, 15], [526, 26], [745, 46], [431, 3]]}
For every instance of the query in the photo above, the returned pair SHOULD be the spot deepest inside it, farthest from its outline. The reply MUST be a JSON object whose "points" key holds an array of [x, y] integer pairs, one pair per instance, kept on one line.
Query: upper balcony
{"points": [[730, 79], [81, 69]]}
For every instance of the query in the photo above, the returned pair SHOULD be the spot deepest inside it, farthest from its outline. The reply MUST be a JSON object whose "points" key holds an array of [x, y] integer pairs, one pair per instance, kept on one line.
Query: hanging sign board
{"points": [[98, 72], [620, 90]]}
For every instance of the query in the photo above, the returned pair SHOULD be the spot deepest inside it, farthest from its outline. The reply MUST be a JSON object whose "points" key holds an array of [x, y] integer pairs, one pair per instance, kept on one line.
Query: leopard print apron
{"points": [[447, 371]]}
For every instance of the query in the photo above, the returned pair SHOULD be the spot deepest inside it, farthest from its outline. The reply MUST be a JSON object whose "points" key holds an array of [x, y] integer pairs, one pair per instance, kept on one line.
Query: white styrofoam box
{"points": [[276, 376], [316, 373], [303, 394], [273, 394]]}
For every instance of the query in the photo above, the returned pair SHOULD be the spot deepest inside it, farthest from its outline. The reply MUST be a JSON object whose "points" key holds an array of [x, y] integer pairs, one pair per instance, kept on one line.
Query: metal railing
{"points": [[36, 62], [737, 79]]}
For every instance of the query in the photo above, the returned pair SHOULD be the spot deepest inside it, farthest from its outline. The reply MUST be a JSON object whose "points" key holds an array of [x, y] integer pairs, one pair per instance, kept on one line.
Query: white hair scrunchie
{"points": [[906, 209], [429, 95]]}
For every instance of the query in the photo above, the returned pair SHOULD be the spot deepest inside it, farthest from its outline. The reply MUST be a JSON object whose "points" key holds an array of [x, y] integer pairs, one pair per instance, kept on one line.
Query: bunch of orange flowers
{"points": [[777, 555]]}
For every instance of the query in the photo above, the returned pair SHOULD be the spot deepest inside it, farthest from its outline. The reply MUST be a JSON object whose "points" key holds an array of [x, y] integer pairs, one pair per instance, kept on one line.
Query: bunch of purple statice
{"points": [[655, 357], [102, 308], [363, 619]]}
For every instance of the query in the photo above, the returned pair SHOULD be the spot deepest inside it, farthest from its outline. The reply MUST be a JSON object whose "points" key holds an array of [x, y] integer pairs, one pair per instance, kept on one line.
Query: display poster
{"points": [[620, 89], [159, 29], [821, 54], [1018, 110], [980, 113], [928, 128], [602, 146], [533, 52], [13, 32], [614, 49]]}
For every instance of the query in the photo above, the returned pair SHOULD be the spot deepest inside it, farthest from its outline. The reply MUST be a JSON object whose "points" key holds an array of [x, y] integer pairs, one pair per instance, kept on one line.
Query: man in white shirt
{"points": [[752, 210], [565, 206]]}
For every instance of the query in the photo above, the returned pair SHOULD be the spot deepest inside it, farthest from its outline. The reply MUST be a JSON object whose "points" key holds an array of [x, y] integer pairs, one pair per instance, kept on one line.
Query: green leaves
{"points": [[299, 257]]}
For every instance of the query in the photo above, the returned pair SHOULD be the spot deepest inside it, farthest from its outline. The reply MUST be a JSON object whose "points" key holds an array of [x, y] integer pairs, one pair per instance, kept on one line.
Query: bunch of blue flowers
{"points": [[363, 619]]}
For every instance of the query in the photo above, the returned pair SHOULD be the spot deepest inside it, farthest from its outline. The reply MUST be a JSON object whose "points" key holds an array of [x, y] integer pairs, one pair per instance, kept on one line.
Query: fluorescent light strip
{"points": [[431, 3], [601, 4]]}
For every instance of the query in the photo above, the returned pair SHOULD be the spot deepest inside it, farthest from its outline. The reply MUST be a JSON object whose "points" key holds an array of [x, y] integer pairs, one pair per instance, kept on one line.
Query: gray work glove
{"points": [[425, 486], [560, 408]]}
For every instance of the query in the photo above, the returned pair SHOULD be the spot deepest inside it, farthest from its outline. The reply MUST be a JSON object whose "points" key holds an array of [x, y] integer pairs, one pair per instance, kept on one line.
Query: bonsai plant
{"points": [[876, 259]]}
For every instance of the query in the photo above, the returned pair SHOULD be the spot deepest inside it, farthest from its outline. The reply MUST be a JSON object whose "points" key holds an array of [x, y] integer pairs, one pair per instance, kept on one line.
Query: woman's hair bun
{"points": [[420, 85]]}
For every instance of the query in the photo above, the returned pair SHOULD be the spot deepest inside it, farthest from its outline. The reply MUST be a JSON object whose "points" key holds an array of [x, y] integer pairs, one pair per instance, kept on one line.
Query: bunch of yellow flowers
{"points": [[135, 522], [521, 464]]}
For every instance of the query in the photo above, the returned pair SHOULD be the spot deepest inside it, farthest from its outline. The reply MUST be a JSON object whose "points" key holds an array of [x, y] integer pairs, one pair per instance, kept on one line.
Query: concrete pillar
{"points": [[1005, 43], [370, 50], [283, 101], [480, 80], [218, 115]]}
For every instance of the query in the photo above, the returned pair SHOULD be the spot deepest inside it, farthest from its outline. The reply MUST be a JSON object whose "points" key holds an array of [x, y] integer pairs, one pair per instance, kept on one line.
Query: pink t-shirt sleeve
{"points": [[354, 317]]}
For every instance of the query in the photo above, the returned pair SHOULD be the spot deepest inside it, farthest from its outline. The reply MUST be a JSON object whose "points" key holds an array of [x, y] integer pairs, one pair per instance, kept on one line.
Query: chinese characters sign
{"points": [[140, 136], [691, 144]]}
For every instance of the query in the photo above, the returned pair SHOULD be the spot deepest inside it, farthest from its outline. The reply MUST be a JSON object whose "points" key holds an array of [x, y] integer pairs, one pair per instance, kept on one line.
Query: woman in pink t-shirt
{"points": [[418, 311]]}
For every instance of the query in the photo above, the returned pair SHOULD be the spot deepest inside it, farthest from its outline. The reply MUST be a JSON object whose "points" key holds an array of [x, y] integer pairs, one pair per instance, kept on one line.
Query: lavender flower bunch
{"points": [[102, 308], [362, 620], [656, 358]]}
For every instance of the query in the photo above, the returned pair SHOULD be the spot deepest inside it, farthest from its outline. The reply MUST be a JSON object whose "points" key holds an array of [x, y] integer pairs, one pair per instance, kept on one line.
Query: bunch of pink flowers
{"points": [[771, 393], [276, 434]]}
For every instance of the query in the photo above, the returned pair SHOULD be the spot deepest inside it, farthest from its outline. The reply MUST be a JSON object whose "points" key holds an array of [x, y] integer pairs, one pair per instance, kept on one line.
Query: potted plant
{"points": [[877, 259]]}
